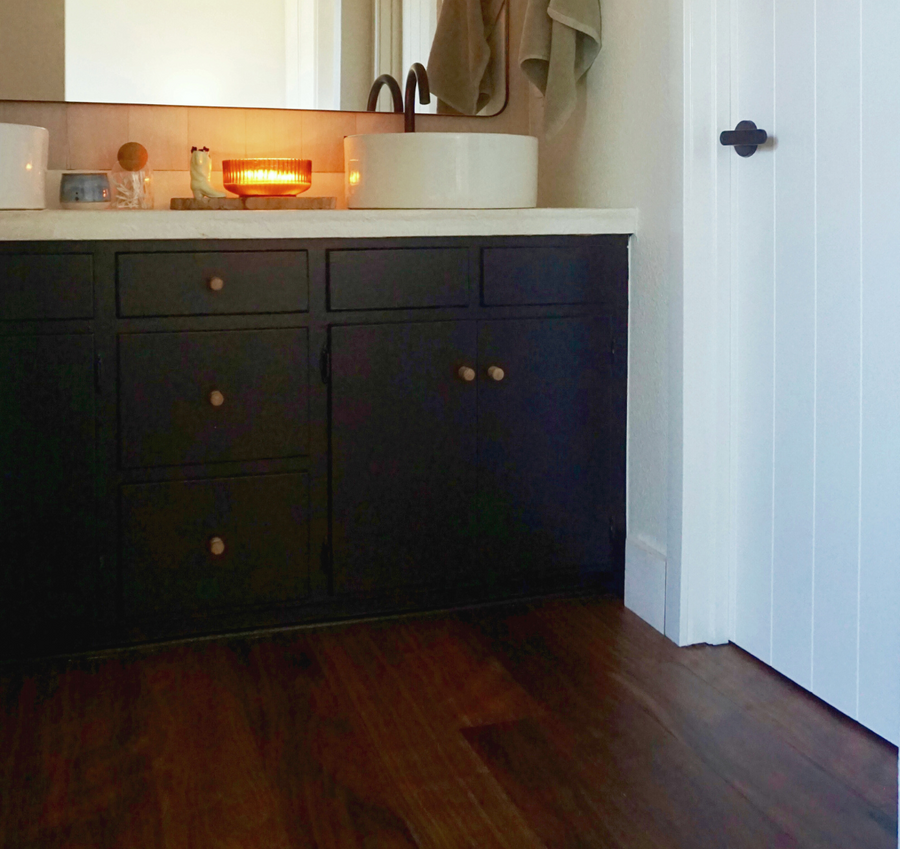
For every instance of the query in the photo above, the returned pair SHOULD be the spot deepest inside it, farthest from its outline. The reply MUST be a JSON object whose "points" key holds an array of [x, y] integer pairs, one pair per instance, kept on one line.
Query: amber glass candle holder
{"points": [[267, 177]]}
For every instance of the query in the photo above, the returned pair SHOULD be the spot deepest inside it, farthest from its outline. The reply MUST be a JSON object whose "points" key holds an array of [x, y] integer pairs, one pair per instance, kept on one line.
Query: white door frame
{"points": [[700, 570], [312, 30]]}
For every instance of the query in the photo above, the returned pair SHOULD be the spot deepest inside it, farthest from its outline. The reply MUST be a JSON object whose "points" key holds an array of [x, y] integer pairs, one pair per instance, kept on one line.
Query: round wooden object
{"points": [[132, 156], [466, 373], [496, 373], [217, 546], [216, 398]]}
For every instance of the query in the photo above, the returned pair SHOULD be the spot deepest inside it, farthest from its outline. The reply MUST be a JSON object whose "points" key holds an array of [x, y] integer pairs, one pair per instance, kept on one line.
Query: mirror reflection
{"points": [[295, 54]]}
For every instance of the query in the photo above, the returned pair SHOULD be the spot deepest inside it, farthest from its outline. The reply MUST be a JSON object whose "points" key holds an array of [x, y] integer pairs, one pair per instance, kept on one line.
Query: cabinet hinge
{"points": [[98, 372], [617, 548], [326, 561], [325, 363]]}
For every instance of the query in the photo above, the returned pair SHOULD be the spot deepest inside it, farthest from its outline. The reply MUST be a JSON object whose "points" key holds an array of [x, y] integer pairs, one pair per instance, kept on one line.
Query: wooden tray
{"points": [[253, 203]]}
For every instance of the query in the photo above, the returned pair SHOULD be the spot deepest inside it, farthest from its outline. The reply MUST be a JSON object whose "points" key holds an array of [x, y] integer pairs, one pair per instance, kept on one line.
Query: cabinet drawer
{"points": [[46, 286], [554, 275], [154, 284], [170, 564], [405, 278], [169, 413]]}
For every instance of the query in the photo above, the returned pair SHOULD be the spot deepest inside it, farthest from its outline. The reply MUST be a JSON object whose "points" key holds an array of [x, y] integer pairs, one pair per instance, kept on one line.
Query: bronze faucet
{"points": [[393, 87], [417, 74]]}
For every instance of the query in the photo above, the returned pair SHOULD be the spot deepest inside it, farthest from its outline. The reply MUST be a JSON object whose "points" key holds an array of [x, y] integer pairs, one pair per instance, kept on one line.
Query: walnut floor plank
{"points": [[824, 735], [767, 713], [836, 743], [332, 784], [604, 761], [205, 762], [564, 724], [598, 681], [463, 684], [578, 792], [80, 763], [448, 797]]}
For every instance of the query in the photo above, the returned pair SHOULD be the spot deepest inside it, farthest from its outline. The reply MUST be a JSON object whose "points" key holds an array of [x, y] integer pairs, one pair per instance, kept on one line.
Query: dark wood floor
{"points": [[563, 724]]}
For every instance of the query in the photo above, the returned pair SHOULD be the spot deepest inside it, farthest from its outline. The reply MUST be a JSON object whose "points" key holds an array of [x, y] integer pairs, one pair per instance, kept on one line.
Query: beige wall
{"points": [[622, 148], [32, 49], [357, 52]]}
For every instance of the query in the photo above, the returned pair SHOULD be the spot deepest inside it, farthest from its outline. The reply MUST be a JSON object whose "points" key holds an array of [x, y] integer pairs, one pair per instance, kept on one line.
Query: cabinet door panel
{"points": [[542, 452], [48, 574], [403, 455]]}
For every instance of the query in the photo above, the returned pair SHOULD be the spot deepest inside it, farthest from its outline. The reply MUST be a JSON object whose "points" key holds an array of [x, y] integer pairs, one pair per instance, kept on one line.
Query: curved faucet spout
{"points": [[417, 75], [393, 87]]}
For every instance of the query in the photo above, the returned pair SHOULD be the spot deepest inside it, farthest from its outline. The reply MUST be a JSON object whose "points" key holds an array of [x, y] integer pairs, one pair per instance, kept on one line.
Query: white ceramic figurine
{"points": [[201, 171]]}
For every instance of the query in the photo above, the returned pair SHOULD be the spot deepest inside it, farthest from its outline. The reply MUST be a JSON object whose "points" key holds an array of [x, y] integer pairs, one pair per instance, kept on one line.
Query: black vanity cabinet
{"points": [[467, 452], [213, 436], [204, 436], [476, 451], [54, 592]]}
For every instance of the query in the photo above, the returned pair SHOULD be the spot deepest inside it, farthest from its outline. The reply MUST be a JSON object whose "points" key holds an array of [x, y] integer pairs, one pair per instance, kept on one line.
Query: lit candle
{"points": [[267, 177]]}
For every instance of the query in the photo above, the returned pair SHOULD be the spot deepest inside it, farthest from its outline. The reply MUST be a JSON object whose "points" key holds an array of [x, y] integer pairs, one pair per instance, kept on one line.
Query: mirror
{"points": [[293, 54]]}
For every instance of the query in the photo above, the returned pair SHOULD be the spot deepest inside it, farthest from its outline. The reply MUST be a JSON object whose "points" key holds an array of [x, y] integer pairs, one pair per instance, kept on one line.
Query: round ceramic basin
{"points": [[440, 171]]}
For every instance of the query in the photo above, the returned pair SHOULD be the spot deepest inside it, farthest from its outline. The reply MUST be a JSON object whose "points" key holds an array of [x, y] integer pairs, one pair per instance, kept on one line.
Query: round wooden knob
{"points": [[496, 373], [216, 284], [466, 373], [216, 398], [216, 546]]}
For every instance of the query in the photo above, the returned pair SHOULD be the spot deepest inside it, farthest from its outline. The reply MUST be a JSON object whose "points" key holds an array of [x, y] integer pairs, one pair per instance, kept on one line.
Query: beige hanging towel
{"points": [[560, 41], [459, 63]]}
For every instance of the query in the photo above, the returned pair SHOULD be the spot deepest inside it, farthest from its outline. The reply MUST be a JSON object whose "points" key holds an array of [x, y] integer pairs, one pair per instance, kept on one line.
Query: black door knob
{"points": [[745, 138]]}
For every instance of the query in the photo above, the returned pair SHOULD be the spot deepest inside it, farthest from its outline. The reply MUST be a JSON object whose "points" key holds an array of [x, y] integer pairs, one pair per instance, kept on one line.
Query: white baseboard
{"points": [[645, 583]]}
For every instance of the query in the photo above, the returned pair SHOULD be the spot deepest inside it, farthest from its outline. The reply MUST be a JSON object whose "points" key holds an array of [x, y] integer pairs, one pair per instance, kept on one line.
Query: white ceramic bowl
{"points": [[23, 166], [440, 171]]}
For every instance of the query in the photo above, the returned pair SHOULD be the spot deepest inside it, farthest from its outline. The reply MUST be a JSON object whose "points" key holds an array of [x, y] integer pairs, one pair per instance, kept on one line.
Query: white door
{"points": [[815, 223]]}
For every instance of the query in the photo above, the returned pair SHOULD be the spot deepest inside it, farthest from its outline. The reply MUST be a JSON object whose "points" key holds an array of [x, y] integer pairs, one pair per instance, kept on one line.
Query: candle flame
{"points": [[262, 175]]}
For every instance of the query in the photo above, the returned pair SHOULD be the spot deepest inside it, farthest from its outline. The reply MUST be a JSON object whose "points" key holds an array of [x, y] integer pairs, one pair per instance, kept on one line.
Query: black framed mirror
{"points": [[291, 54]]}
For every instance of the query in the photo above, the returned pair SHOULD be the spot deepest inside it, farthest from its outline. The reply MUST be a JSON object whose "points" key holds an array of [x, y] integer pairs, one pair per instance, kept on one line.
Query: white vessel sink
{"points": [[23, 166], [440, 171]]}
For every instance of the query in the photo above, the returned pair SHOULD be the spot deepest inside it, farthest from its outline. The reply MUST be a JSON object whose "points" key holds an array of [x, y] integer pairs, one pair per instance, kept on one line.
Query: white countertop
{"points": [[64, 225]]}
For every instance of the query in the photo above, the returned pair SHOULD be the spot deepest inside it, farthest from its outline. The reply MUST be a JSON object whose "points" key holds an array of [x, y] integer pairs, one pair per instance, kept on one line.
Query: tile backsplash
{"points": [[87, 136]]}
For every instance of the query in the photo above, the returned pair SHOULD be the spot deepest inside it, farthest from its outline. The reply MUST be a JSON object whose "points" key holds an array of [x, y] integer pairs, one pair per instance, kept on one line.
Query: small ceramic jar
{"points": [[84, 191]]}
